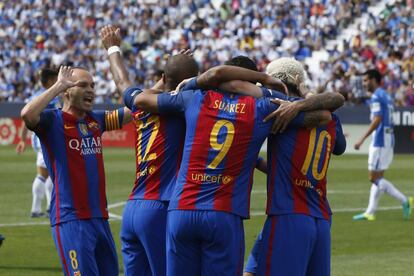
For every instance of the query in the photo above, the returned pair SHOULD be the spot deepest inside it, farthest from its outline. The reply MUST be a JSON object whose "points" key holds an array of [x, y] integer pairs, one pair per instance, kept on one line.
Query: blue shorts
{"points": [[294, 245], [143, 237], [204, 243], [251, 265], [86, 247]]}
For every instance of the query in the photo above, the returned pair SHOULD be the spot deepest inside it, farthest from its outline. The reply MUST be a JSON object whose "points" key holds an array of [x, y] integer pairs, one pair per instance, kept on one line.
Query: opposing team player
{"points": [[295, 239], [71, 142], [158, 147], [42, 184], [381, 150], [224, 133]]}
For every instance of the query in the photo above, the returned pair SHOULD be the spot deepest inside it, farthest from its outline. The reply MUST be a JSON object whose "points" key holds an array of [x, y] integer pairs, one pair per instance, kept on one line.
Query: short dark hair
{"points": [[374, 74], [47, 75], [180, 67], [242, 61]]}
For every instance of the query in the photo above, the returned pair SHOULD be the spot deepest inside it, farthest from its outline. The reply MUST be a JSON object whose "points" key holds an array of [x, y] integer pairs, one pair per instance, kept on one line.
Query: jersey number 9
{"points": [[225, 145]]}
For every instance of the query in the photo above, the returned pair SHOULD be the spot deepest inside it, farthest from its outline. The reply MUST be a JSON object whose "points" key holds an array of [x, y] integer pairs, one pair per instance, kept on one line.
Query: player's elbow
{"points": [[28, 117], [214, 76], [338, 101], [140, 101], [340, 145], [144, 101]]}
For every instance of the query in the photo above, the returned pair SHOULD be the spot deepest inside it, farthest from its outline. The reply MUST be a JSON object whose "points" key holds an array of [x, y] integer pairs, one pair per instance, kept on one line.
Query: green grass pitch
{"points": [[382, 247]]}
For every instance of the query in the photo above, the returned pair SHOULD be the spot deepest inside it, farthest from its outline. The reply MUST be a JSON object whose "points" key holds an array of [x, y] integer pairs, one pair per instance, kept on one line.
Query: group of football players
{"points": [[197, 143]]}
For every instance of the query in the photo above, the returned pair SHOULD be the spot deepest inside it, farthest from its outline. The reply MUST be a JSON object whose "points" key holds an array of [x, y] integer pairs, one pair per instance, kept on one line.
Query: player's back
{"points": [[158, 147], [224, 134], [298, 161]]}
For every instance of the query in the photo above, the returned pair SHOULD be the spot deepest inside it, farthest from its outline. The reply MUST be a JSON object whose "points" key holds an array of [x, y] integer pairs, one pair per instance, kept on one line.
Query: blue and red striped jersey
{"points": [[72, 150], [298, 161], [224, 133], [158, 147]]}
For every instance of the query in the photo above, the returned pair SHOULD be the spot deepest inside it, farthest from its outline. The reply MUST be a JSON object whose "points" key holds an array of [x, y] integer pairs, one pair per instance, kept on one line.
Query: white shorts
{"points": [[380, 158], [40, 162]]}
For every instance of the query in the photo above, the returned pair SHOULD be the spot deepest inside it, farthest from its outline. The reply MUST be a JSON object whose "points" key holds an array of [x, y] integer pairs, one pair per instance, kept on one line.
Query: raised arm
{"points": [[31, 111], [111, 39]]}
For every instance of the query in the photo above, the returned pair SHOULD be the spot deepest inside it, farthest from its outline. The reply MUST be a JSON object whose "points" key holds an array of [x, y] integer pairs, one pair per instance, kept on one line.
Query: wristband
{"points": [[113, 49]]}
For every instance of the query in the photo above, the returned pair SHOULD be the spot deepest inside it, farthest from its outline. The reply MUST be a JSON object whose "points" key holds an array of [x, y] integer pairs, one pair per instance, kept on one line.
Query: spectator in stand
{"points": [[36, 35]]}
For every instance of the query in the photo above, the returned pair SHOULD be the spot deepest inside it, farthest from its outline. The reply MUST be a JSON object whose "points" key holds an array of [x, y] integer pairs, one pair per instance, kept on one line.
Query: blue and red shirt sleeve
{"points": [[340, 141], [129, 95], [174, 102], [110, 119], [47, 118]]}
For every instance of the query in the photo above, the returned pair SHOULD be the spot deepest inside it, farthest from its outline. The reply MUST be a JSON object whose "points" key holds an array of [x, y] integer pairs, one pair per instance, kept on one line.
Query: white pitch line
{"points": [[17, 224], [253, 213], [261, 192], [333, 192], [24, 224], [114, 216], [341, 210], [117, 204]]}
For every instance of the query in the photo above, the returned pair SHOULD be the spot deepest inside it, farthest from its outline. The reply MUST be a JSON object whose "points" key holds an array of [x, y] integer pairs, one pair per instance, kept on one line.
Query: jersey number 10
{"points": [[314, 151]]}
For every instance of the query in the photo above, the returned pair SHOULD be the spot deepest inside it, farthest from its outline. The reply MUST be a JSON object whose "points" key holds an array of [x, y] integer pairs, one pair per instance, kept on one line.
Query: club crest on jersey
{"points": [[147, 171], [93, 126], [83, 128], [227, 179]]}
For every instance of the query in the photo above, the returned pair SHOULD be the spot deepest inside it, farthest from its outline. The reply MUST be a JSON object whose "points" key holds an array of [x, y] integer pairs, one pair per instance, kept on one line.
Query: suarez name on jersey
{"points": [[224, 133]]}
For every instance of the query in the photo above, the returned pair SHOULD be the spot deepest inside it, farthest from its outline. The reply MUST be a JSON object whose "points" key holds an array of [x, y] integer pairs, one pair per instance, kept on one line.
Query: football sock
{"points": [[374, 197], [49, 187], [390, 189], [38, 192]]}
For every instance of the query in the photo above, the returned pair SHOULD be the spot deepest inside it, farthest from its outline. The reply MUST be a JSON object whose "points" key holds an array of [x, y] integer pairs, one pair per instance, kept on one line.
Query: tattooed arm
{"points": [[327, 101], [219, 75]]}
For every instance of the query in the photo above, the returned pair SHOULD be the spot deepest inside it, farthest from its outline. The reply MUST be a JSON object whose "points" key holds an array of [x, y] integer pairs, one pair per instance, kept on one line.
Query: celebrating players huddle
{"points": [[196, 150]]}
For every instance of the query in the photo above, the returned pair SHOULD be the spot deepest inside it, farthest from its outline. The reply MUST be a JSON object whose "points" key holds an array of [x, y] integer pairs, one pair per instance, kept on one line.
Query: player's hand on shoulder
{"points": [[181, 85], [283, 115], [110, 36], [21, 146]]}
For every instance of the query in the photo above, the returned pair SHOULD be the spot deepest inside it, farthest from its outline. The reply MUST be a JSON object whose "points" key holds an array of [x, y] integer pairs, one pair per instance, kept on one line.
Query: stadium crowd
{"points": [[38, 33]]}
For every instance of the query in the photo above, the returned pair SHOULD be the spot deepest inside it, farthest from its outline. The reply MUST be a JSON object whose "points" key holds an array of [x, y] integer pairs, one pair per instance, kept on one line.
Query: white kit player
{"points": [[381, 150], [42, 184]]}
